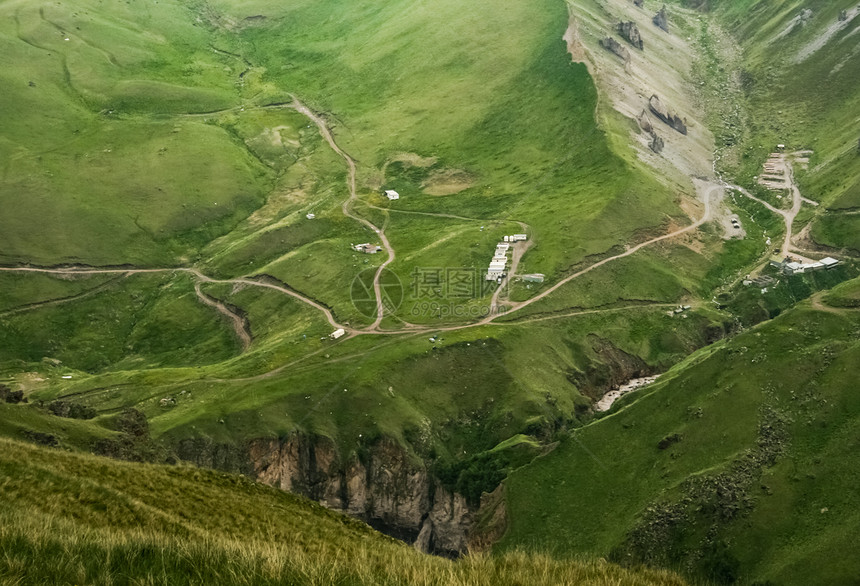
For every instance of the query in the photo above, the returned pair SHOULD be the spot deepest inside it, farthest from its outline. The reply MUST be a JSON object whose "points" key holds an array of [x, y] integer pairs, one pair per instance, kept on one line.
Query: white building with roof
{"points": [[391, 194]]}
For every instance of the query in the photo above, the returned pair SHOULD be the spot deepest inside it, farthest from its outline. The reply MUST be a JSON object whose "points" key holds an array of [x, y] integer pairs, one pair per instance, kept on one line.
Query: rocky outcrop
{"points": [[843, 15], [667, 115], [386, 488], [645, 122], [630, 32], [661, 20], [614, 46], [639, 3], [656, 143]]}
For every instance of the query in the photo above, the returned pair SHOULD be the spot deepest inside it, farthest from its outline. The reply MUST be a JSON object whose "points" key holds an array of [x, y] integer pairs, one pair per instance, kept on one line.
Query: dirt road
{"points": [[782, 162], [240, 324], [706, 188], [326, 134]]}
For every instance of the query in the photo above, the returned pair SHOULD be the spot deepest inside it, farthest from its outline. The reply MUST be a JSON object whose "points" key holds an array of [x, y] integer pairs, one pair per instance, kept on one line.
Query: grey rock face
{"points": [[661, 20], [388, 489], [614, 46], [630, 32], [666, 114], [656, 143]]}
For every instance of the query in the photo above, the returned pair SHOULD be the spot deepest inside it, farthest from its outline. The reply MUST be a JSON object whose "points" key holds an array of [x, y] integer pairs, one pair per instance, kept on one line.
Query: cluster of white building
{"points": [[500, 258], [516, 238], [790, 267]]}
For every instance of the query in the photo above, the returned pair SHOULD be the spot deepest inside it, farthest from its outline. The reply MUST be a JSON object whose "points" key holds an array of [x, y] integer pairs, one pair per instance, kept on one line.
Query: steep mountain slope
{"points": [[799, 75], [738, 465], [84, 520]]}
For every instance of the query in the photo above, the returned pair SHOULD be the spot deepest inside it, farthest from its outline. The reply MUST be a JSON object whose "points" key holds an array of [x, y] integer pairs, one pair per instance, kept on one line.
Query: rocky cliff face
{"points": [[386, 488]]}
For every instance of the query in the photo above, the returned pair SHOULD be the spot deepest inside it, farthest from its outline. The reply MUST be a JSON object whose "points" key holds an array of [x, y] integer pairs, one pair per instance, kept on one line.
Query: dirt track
{"points": [[788, 216], [326, 134], [240, 325]]}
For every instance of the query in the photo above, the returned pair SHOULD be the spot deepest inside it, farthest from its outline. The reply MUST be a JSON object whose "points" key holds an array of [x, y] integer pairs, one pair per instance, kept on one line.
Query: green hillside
{"points": [[76, 519], [190, 159], [186, 188], [737, 465]]}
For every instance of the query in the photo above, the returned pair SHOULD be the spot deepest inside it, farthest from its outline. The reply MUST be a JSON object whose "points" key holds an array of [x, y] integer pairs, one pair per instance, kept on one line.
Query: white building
{"points": [[518, 237], [310, 216], [496, 270], [829, 263], [337, 334], [391, 194], [366, 248]]}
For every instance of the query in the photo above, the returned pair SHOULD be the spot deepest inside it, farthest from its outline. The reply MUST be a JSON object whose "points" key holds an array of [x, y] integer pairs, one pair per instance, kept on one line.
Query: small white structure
{"points": [[311, 216], [518, 237], [780, 146], [366, 248], [391, 194], [337, 334], [828, 262]]}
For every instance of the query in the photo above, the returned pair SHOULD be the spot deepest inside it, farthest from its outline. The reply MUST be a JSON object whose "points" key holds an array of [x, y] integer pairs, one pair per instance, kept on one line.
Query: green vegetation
{"points": [[80, 519], [729, 467], [171, 137]]}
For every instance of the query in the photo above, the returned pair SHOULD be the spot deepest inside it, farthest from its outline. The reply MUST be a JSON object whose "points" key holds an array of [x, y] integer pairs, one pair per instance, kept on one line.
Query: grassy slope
{"points": [[777, 524], [502, 103], [84, 520]]}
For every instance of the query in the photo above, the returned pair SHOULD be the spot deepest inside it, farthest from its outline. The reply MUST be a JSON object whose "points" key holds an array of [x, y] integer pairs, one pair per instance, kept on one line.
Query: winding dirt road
{"points": [[788, 216], [707, 190], [326, 134]]}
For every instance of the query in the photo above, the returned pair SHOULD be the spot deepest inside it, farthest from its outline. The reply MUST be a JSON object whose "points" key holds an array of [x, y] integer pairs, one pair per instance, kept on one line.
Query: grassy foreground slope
{"points": [[77, 519], [738, 465]]}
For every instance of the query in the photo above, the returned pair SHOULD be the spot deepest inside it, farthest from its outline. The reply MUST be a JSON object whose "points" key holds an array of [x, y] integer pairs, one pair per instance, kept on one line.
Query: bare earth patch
{"points": [[447, 182]]}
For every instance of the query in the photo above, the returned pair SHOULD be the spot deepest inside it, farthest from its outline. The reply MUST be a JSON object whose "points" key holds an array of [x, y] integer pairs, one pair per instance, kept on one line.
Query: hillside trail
{"points": [[240, 325], [818, 304], [706, 188], [299, 107], [196, 273], [58, 301]]}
